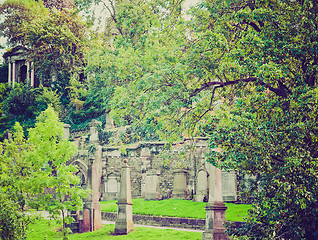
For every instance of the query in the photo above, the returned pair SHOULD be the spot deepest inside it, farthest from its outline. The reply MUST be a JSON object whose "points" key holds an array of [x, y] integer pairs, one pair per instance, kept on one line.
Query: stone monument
{"points": [[215, 208], [179, 183], [124, 223]]}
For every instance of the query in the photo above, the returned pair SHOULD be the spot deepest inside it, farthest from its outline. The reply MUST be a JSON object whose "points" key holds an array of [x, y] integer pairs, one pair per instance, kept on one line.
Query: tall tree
{"points": [[244, 73]]}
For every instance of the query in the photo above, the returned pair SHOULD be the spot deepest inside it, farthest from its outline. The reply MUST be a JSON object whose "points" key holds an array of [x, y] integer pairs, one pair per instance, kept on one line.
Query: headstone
{"points": [[93, 131], [109, 122], [124, 223], [152, 185], [202, 186], [179, 184], [229, 186], [66, 131]]}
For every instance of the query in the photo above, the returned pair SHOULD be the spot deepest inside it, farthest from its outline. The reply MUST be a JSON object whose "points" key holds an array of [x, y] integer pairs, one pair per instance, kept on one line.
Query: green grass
{"points": [[41, 230], [178, 208]]}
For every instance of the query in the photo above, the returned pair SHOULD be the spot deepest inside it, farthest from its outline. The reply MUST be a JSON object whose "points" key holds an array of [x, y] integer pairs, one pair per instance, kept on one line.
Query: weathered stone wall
{"points": [[156, 172]]}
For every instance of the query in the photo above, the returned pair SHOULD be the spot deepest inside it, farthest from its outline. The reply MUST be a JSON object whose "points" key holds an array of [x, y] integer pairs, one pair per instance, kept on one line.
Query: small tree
{"points": [[34, 174]]}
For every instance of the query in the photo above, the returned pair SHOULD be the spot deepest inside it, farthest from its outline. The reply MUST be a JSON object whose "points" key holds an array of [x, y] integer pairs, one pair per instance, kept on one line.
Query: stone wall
{"points": [[157, 172]]}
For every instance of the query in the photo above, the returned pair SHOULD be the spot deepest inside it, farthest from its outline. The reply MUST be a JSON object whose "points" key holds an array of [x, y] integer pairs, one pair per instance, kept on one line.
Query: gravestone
{"points": [[229, 186], [202, 186], [152, 185], [179, 184]]}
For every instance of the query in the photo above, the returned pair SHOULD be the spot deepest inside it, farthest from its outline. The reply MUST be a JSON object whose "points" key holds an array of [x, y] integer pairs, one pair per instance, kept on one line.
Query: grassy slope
{"points": [[178, 208], [41, 230]]}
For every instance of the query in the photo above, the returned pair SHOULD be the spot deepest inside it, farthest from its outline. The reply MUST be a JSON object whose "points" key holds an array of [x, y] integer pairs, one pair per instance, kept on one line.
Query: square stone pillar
{"points": [[13, 73], [215, 208], [124, 223], [92, 217], [9, 72]]}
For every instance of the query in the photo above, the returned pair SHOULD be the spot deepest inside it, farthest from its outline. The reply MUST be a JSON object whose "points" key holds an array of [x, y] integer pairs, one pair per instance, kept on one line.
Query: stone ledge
{"points": [[191, 223]]}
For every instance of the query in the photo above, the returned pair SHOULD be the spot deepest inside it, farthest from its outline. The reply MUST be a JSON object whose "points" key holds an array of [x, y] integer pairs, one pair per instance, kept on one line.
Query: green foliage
{"points": [[23, 104], [3, 73], [34, 173], [286, 172], [17, 13], [243, 72]]}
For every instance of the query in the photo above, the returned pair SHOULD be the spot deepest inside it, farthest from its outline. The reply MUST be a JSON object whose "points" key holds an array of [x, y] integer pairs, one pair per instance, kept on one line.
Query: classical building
{"points": [[20, 70]]}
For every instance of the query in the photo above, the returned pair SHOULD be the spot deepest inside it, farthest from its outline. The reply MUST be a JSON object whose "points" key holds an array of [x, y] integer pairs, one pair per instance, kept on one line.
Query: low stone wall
{"points": [[190, 223]]}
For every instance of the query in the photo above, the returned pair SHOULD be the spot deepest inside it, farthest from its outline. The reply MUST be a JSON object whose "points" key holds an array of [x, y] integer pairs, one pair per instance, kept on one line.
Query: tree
{"points": [[56, 38], [34, 174], [245, 74]]}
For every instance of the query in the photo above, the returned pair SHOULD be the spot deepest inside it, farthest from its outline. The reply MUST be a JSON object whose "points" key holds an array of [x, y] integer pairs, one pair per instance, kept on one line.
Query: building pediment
{"points": [[16, 54]]}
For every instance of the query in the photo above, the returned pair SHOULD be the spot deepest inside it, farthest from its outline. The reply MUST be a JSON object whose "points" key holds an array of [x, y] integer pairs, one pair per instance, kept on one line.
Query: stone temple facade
{"points": [[179, 172]]}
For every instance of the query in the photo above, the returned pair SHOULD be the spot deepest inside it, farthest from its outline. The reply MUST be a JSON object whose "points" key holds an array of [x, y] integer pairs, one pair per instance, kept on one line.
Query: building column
{"points": [[32, 74], [27, 63], [9, 73], [13, 74]]}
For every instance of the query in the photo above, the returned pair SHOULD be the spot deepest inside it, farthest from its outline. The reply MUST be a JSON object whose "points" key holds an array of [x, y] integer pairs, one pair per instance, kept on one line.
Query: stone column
{"points": [[13, 73], [96, 181], [32, 74], [85, 224], [152, 185], [28, 73], [179, 183], [124, 223], [92, 218], [9, 72], [215, 208]]}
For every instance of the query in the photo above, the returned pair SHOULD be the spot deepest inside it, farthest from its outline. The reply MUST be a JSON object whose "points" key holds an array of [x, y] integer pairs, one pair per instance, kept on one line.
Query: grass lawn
{"points": [[42, 231], [178, 208]]}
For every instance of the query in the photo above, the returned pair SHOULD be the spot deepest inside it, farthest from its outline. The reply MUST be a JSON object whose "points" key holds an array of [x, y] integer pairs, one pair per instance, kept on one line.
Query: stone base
{"points": [[178, 195], [124, 223], [215, 218], [152, 196]]}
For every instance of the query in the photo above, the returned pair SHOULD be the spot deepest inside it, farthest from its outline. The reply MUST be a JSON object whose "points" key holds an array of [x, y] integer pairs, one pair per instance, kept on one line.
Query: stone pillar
{"points": [[202, 186], [13, 73], [66, 131], [85, 224], [215, 208], [32, 74], [28, 73], [124, 223], [152, 185], [92, 218], [93, 131], [179, 184], [96, 181], [9, 72]]}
